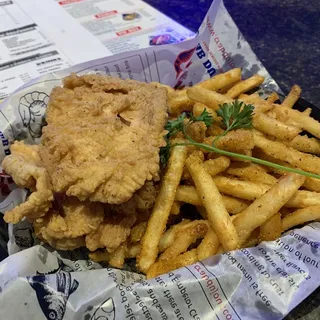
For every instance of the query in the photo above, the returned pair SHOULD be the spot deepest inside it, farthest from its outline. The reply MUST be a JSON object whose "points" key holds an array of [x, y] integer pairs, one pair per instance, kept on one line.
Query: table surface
{"points": [[285, 35]]}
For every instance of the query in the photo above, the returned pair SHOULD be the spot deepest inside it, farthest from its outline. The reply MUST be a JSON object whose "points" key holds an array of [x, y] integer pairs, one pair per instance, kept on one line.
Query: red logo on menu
{"points": [[183, 57], [131, 30], [68, 1], [106, 14]]}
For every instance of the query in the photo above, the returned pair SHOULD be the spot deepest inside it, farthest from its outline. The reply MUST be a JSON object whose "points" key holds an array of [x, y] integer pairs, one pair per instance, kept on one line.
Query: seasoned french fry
{"points": [[189, 194], [168, 237], [273, 97], [312, 184], [185, 237], [137, 232], [161, 209], [175, 209], [178, 102], [234, 205], [244, 152], [306, 144], [249, 191], [297, 118], [252, 173], [116, 258], [214, 131], [303, 199], [255, 96], [208, 246], [185, 174], [221, 80], [212, 200], [258, 153], [300, 216], [259, 167], [198, 108], [238, 141], [227, 88], [253, 239], [243, 96], [244, 86], [271, 229], [274, 127], [296, 158], [260, 105], [246, 190], [209, 98], [197, 131], [279, 114], [292, 97], [250, 98], [215, 166], [267, 205], [164, 266], [307, 112]]}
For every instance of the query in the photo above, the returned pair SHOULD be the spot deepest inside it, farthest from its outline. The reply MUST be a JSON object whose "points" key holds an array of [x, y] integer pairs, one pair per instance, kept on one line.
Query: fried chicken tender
{"points": [[103, 137], [119, 219], [40, 229], [65, 229], [76, 219], [25, 166], [146, 196], [114, 231]]}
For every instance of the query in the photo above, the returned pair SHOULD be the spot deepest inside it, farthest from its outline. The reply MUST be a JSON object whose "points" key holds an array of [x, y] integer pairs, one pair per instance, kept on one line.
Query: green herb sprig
{"points": [[178, 125], [236, 115]]}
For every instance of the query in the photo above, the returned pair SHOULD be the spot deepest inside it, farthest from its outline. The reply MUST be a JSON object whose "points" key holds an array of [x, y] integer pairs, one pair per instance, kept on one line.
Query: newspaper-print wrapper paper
{"points": [[264, 282]]}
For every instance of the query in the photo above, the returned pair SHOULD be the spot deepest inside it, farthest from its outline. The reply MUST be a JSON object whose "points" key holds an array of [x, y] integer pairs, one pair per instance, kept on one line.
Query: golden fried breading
{"points": [[103, 137], [197, 131], [59, 244], [139, 205], [76, 219], [25, 167], [146, 196], [114, 231]]}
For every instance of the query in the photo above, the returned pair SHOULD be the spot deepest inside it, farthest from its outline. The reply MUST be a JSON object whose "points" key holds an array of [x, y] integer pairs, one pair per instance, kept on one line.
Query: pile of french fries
{"points": [[237, 203]]}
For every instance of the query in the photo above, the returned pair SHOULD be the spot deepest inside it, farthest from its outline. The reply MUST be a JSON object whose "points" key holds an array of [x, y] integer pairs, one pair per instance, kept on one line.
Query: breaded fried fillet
{"points": [[25, 167], [75, 219], [103, 137]]}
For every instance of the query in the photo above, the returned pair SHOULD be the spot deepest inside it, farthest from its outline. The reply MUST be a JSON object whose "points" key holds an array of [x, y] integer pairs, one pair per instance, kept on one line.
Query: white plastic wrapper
{"points": [[37, 282]]}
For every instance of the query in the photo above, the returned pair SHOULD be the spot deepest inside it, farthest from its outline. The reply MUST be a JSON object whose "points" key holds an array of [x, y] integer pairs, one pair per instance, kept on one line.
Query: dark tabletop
{"points": [[285, 35]]}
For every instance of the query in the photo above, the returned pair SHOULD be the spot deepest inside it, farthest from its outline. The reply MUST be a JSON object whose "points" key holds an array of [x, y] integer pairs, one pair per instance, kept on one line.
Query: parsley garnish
{"points": [[236, 115], [178, 125]]}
